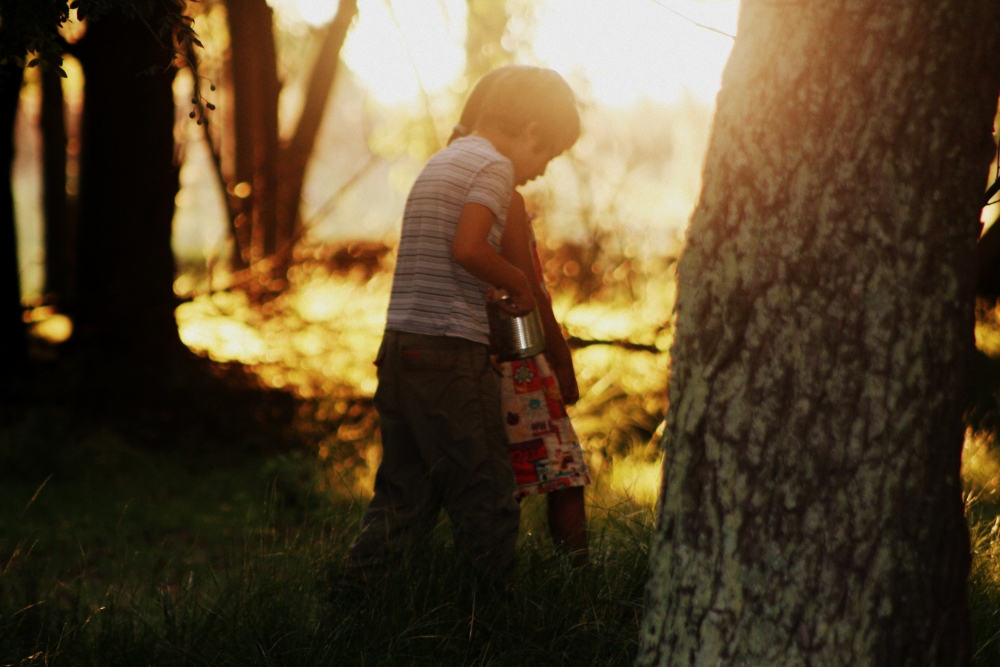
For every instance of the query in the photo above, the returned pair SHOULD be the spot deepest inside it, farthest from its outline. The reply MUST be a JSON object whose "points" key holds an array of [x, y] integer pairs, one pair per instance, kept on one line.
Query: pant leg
{"points": [[453, 407], [443, 443], [404, 506]]}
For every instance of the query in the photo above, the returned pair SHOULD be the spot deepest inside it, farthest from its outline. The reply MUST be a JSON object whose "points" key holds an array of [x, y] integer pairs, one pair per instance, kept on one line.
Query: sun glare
{"points": [[632, 49], [398, 48], [626, 49]]}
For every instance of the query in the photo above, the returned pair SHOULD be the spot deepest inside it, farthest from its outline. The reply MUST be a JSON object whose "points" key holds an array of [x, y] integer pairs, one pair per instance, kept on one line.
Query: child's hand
{"points": [[522, 298]]}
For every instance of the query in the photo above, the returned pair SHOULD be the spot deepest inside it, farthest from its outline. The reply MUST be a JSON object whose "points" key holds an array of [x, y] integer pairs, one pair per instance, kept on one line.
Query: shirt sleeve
{"points": [[492, 186]]}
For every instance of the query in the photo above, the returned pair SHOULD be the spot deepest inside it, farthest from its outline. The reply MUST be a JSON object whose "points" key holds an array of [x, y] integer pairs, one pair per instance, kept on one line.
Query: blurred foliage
{"points": [[29, 29], [319, 339]]}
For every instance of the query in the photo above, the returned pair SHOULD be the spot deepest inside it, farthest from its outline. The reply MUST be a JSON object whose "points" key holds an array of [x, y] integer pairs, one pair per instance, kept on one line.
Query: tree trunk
{"points": [[811, 509], [266, 221], [255, 110], [295, 156], [15, 349], [58, 238], [128, 182]]}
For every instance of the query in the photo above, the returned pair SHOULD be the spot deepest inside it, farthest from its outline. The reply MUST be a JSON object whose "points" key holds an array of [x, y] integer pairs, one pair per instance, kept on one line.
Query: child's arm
{"points": [[517, 249], [471, 250]]}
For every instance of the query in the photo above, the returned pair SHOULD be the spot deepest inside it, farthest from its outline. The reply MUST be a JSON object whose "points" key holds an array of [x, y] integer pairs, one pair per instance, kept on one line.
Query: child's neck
{"points": [[503, 143]]}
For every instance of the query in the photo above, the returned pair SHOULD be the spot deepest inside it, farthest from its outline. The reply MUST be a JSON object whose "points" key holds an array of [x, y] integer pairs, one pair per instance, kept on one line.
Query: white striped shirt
{"points": [[431, 293]]}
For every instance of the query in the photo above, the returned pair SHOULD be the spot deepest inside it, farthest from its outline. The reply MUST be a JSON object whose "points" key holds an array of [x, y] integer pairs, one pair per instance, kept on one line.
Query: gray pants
{"points": [[443, 443]]}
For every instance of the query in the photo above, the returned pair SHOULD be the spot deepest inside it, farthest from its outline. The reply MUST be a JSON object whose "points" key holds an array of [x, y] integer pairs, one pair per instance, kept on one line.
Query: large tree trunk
{"points": [[14, 349], [128, 181], [811, 510]]}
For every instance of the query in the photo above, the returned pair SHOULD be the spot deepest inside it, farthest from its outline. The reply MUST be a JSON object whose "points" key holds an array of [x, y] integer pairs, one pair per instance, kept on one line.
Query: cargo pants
{"points": [[438, 401]]}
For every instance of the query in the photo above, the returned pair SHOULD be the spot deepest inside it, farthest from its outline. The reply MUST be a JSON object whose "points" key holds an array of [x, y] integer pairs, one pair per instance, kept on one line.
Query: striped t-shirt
{"points": [[431, 293]]}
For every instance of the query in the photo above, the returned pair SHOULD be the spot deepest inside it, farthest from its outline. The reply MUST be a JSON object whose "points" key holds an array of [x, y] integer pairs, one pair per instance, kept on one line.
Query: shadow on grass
{"points": [[112, 555]]}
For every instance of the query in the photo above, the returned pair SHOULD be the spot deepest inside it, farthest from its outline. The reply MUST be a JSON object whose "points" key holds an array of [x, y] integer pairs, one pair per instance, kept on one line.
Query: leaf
{"points": [[62, 73], [33, 62]]}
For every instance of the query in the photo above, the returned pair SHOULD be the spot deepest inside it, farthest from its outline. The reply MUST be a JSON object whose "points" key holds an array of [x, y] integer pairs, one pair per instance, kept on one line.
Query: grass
{"points": [[113, 555], [116, 555]]}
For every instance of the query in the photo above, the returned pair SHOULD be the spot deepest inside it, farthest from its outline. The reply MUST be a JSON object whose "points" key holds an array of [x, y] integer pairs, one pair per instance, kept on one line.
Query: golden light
{"points": [[54, 329], [635, 49], [625, 50], [316, 12], [399, 48], [637, 479]]}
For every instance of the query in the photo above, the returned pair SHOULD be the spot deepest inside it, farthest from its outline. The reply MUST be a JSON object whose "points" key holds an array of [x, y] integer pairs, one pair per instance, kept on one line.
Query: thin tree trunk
{"points": [[811, 510], [128, 182], [295, 156], [14, 349], [58, 238], [255, 109]]}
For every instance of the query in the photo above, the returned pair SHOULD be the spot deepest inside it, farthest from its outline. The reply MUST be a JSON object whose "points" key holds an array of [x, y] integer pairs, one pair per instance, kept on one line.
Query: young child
{"points": [[438, 396], [544, 448]]}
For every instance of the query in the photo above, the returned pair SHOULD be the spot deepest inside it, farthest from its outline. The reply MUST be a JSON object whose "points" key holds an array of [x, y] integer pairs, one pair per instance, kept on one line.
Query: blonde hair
{"points": [[511, 97]]}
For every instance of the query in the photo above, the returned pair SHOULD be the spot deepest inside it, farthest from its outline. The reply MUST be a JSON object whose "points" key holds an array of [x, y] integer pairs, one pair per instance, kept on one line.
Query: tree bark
{"points": [[811, 509], [128, 182], [255, 113], [14, 350]]}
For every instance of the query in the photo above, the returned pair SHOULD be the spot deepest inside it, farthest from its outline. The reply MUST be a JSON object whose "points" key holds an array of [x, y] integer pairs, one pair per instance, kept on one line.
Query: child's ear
{"points": [[533, 131]]}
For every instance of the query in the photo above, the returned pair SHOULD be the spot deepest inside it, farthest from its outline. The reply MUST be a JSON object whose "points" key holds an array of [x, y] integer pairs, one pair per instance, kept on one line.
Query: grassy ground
{"points": [[114, 555]]}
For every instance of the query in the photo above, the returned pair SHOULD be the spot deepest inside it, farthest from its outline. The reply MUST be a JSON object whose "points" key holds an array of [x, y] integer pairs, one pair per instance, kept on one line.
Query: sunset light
{"points": [[625, 50], [260, 405]]}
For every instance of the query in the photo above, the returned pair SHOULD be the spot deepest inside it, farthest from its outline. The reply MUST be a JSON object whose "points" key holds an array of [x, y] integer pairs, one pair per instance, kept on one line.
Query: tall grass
{"points": [[279, 604], [83, 581]]}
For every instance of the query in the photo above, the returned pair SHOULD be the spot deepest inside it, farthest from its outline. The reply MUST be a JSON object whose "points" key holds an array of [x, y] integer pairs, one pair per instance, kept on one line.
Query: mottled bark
{"points": [[811, 509]]}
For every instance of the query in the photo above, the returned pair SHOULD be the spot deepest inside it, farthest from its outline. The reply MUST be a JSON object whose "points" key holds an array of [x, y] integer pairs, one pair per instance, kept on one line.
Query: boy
{"points": [[439, 396]]}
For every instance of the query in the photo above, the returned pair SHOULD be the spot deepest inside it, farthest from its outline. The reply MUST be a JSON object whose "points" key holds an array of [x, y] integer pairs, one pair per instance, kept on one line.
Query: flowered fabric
{"points": [[544, 448]]}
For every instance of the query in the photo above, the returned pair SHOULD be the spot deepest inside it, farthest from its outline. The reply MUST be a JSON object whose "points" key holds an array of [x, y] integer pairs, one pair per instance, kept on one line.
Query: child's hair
{"points": [[511, 97]]}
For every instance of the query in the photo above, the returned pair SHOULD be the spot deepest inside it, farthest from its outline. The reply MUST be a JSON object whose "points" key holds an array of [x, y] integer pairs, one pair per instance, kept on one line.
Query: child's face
{"points": [[531, 156]]}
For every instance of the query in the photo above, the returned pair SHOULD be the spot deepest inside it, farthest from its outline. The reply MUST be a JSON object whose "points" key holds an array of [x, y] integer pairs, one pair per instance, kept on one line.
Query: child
{"points": [[438, 396], [544, 448]]}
